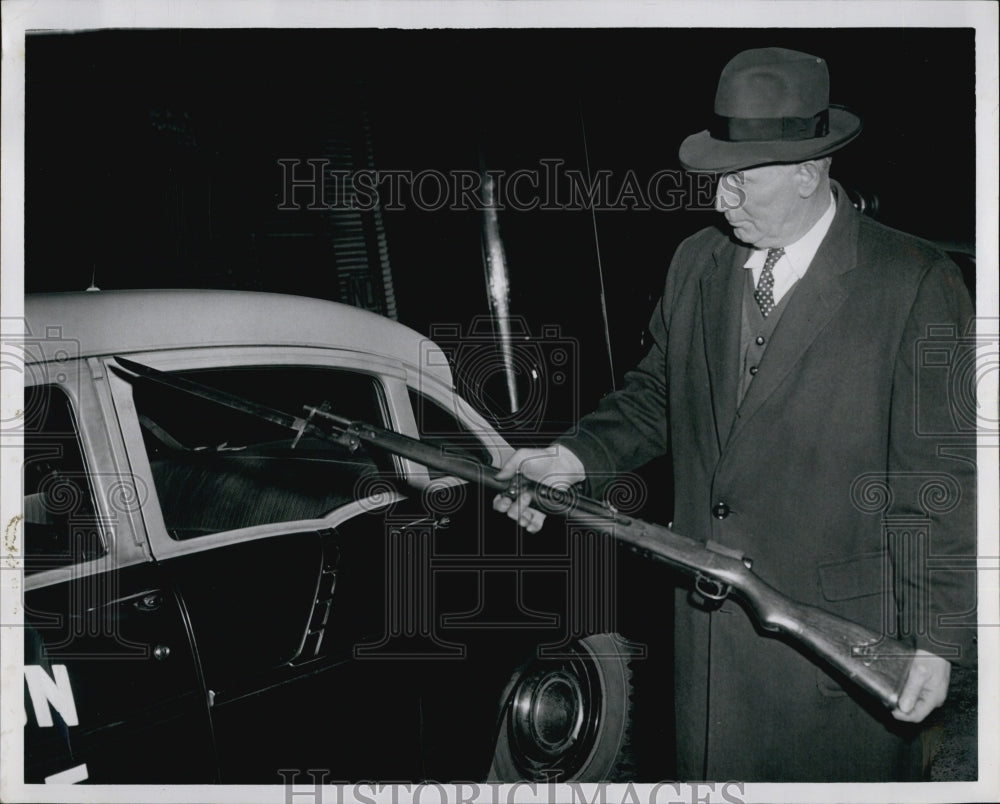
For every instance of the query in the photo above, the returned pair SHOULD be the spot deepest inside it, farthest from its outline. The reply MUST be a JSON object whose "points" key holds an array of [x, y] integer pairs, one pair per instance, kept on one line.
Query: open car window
{"points": [[217, 469]]}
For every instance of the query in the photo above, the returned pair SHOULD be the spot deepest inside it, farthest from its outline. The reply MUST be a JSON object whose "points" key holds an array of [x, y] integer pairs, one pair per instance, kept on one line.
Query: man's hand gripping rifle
{"points": [[876, 663]]}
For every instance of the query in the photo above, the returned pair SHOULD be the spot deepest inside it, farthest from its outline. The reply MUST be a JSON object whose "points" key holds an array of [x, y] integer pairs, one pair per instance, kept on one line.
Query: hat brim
{"points": [[702, 153]]}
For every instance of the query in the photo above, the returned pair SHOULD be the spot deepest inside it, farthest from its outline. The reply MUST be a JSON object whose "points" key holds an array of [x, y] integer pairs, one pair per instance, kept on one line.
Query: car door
{"points": [[275, 545], [112, 690]]}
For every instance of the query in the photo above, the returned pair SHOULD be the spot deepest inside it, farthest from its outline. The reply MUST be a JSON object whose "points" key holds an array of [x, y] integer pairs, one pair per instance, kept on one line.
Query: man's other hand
{"points": [[925, 689], [556, 466]]}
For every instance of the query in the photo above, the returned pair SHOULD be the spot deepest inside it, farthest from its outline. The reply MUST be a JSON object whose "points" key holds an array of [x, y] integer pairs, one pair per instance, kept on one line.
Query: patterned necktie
{"points": [[764, 294]]}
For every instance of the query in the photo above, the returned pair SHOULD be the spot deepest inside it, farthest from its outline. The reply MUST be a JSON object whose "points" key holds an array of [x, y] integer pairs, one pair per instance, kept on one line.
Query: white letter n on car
{"points": [[45, 690]]}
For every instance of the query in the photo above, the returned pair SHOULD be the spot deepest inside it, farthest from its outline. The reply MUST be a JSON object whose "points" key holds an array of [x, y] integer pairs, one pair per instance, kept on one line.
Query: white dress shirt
{"points": [[797, 257]]}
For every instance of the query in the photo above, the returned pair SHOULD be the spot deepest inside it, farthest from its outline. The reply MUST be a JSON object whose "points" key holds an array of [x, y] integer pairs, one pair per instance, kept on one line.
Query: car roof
{"points": [[121, 321]]}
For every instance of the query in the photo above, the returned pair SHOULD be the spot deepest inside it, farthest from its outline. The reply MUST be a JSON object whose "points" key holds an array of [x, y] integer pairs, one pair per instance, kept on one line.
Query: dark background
{"points": [[151, 160]]}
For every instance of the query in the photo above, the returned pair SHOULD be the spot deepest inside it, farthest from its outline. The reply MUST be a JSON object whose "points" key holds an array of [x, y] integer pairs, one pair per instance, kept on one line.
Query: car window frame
{"points": [[115, 493], [389, 376]]}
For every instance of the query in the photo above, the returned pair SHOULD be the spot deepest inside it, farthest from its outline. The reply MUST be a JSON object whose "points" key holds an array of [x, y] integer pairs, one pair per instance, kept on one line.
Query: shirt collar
{"points": [[799, 255]]}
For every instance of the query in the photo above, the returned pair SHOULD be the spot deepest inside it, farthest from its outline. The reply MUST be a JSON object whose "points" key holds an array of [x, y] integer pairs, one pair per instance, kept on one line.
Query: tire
{"points": [[568, 718]]}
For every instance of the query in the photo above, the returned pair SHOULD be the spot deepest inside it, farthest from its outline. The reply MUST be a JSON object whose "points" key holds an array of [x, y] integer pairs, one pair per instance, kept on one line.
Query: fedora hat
{"points": [[772, 106]]}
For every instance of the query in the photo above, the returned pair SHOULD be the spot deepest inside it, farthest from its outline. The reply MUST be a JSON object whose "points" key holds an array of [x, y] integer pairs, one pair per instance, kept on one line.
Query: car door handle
{"points": [[150, 601]]}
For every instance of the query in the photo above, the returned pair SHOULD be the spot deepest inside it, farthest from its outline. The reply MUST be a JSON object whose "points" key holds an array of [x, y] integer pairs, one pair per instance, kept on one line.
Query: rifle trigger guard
{"points": [[712, 592]]}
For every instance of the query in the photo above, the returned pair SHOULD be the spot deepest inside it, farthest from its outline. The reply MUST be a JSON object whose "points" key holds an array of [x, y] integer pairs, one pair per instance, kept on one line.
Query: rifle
{"points": [[876, 663]]}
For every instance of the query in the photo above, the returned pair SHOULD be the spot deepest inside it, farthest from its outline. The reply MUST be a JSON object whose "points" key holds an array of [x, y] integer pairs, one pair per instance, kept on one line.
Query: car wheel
{"points": [[568, 718]]}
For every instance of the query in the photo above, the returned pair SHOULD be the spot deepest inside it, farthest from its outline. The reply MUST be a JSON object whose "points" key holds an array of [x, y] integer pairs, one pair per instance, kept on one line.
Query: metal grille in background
{"points": [[334, 251], [357, 237]]}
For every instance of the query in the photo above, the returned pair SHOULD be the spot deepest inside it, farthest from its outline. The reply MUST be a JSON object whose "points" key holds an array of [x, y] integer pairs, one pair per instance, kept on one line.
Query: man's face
{"points": [[763, 205]]}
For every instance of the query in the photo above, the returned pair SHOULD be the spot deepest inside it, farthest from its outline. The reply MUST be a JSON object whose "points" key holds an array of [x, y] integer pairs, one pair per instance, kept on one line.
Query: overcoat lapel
{"points": [[816, 298], [721, 297]]}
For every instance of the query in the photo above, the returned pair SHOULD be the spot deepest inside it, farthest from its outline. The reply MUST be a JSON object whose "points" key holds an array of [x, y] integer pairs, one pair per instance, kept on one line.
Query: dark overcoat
{"points": [[846, 473]]}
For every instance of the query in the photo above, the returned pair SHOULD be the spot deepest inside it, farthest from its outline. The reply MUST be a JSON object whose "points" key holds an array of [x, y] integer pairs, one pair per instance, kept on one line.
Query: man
{"points": [[783, 380]]}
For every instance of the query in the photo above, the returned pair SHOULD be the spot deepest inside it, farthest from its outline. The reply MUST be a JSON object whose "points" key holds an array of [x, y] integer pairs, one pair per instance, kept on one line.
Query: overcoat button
{"points": [[760, 340], [720, 510]]}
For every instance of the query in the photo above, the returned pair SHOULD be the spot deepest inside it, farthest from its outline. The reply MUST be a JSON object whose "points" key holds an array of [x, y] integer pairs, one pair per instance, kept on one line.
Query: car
{"points": [[210, 597]]}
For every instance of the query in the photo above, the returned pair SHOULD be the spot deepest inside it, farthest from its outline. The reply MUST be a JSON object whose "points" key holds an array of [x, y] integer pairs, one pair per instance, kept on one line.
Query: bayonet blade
{"points": [[296, 423]]}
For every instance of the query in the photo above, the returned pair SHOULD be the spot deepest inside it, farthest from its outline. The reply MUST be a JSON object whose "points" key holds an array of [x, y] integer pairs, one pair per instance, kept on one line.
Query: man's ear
{"points": [[809, 176]]}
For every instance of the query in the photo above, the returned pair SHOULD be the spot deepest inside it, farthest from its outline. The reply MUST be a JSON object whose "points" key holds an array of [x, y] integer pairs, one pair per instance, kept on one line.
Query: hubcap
{"points": [[554, 717]]}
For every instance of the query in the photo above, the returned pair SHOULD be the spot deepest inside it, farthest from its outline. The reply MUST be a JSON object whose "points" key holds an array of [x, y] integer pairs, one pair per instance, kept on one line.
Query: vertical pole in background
{"points": [[498, 285], [597, 247]]}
